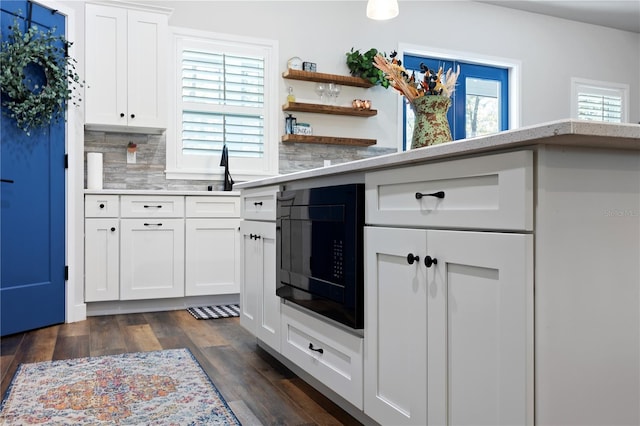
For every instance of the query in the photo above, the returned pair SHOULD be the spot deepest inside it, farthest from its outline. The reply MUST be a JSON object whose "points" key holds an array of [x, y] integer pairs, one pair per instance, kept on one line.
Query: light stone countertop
{"points": [[558, 133], [157, 192]]}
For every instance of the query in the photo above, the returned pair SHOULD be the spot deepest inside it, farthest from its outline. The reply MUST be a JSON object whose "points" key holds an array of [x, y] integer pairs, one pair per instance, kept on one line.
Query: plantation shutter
{"points": [[222, 102], [598, 104]]}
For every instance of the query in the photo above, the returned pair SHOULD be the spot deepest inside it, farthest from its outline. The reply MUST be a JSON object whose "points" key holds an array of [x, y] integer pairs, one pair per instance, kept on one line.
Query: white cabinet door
{"points": [[259, 305], [268, 302], [101, 259], [480, 334], [125, 68], [106, 71], [151, 258], [451, 343], [147, 65], [395, 333], [212, 258], [250, 276]]}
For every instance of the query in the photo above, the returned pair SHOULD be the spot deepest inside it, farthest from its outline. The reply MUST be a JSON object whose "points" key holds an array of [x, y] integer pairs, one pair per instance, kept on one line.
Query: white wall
{"points": [[550, 50]]}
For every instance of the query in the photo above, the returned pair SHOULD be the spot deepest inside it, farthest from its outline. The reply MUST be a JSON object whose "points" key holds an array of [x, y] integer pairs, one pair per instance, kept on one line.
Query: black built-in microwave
{"points": [[319, 251]]}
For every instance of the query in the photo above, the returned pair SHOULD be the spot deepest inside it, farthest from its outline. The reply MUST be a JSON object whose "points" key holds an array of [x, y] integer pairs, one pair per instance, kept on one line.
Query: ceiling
{"points": [[622, 15]]}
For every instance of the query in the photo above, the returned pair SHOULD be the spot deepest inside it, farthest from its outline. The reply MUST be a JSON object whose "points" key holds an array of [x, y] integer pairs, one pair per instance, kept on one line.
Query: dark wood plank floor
{"points": [[257, 387]]}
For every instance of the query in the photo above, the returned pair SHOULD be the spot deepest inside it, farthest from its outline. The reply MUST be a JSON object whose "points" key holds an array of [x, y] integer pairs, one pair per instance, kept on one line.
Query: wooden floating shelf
{"points": [[328, 109], [320, 77], [329, 140]]}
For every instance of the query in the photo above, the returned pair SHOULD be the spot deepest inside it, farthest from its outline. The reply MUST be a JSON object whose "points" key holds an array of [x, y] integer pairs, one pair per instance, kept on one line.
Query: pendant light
{"points": [[382, 9]]}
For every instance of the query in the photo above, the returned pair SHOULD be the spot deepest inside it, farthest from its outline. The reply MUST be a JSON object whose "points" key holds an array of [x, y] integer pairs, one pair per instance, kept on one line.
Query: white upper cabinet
{"points": [[126, 67]]}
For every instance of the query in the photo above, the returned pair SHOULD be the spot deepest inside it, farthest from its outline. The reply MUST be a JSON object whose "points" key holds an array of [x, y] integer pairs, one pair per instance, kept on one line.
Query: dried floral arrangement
{"points": [[411, 88]]}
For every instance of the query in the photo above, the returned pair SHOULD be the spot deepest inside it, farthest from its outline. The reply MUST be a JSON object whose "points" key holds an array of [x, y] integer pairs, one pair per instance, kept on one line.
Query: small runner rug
{"points": [[213, 312], [146, 388]]}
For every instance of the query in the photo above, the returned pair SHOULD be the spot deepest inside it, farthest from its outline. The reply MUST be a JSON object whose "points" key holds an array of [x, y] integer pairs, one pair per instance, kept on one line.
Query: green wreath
{"points": [[30, 104]]}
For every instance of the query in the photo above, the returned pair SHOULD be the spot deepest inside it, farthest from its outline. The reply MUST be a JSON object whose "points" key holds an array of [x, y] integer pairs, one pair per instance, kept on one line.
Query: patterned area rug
{"points": [[145, 388], [213, 312]]}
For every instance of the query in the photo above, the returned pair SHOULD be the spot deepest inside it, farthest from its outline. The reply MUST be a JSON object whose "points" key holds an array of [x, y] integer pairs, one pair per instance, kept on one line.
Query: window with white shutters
{"points": [[222, 98], [599, 101]]}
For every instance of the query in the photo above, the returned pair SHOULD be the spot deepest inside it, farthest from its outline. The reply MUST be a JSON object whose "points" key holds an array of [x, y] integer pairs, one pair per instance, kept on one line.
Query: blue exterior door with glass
{"points": [[480, 102]]}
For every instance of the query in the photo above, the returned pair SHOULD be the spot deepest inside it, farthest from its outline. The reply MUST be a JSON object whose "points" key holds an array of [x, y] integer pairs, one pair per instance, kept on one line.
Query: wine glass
{"points": [[334, 89], [321, 89]]}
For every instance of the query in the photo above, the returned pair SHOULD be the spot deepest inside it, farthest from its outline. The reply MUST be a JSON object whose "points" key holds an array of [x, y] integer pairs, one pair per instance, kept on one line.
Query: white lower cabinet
{"points": [[161, 246], [151, 258], [259, 305], [102, 259], [212, 256], [448, 343]]}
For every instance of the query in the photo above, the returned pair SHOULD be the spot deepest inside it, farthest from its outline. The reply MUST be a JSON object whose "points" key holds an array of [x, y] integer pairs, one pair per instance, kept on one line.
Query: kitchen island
{"points": [[531, 314]]}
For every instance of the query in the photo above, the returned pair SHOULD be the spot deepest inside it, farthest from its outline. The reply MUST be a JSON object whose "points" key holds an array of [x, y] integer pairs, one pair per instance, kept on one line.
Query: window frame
{"points": [[207, 167], [599, 88], [513, 68]]}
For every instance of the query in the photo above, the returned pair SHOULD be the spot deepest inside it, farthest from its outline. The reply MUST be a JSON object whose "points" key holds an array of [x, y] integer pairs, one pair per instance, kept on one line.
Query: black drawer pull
{"points": [[411, 258], [113, 229], [439, 194], [101, 206], [257, 203], [319, 350], [122, 114], [152, 224], [428, 261], [133, 116], [149, 207], [254, 236], [6, 180]]}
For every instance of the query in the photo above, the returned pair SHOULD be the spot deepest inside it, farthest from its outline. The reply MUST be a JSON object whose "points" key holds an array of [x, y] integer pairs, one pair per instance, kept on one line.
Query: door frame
{"points": [[75, 308]]}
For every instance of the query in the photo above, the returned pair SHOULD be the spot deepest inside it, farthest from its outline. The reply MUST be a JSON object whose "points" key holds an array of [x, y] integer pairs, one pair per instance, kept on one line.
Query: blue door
{"points": [[32, 205]]}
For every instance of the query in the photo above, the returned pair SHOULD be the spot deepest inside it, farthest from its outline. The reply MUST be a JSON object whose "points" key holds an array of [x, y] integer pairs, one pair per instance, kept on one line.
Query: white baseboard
{"points": [[155, 305]]}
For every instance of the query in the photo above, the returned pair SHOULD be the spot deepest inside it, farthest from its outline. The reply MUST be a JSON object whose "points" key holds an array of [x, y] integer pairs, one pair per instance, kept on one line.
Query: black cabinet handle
{"points": [[155, 207], [113, 229], [101, 205], [428, 261], [122, 114], [133, 116], [439, 194], [6, 180], [254, 236], [152, 224], [411, 258], [257, 203], [319, 350]]}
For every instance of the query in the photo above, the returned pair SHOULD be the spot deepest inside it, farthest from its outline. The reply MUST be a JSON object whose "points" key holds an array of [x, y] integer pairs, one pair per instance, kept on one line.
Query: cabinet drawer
{"points": [[101, 206], [489, 192], [152, 206], [337, 361], [259, 204], [213, 206]]}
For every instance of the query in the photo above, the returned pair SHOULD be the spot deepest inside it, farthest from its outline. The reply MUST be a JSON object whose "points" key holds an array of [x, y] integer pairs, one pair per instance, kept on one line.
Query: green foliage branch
{"points": [[37, 107], [362, 65]]}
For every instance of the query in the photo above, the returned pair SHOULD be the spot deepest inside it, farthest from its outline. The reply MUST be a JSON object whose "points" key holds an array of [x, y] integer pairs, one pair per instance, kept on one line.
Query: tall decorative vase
{"points": [[431, 126]]}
